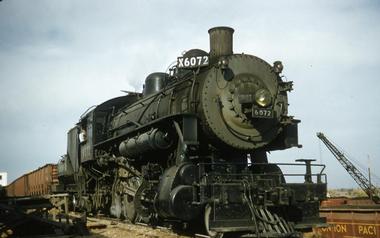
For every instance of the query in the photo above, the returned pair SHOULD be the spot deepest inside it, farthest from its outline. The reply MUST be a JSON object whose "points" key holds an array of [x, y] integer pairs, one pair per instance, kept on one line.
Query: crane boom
{"points": [[359, 178]]}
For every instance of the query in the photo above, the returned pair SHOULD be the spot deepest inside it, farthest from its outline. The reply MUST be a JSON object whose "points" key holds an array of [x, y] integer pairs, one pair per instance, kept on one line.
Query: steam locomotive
{"points": [[192, 148]]}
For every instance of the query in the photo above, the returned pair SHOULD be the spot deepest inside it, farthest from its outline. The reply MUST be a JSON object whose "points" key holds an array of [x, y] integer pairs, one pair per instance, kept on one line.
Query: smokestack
{"points": [[220, 42]]}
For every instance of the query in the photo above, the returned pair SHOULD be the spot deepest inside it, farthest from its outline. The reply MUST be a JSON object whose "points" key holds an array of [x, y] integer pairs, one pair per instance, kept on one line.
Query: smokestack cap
{"points": [[224, 28]]}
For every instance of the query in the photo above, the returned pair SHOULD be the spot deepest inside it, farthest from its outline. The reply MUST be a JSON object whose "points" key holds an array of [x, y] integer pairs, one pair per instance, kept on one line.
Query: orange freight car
{"points": [[17, 188], [41, 180], [36, 183], [350, 218]]}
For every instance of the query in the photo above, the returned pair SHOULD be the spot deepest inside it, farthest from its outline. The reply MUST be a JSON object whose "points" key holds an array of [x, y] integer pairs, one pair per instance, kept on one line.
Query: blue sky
{"points": [[57, 58]]}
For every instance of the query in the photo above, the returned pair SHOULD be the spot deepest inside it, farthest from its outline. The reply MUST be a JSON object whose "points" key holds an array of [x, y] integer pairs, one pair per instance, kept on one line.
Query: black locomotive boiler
{"points": [[192, 148]]}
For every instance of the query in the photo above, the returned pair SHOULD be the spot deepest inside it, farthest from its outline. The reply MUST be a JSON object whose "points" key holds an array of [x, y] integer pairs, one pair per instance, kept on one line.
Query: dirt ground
{"points": [[100, 228]]}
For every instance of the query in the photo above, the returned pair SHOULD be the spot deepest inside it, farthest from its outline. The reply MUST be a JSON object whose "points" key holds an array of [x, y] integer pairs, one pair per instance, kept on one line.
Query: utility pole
{"points": [[369, 177]]}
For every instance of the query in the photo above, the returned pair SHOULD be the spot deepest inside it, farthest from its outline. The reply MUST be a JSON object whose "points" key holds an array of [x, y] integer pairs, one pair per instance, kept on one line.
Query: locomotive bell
{"points": [[220, 42]]}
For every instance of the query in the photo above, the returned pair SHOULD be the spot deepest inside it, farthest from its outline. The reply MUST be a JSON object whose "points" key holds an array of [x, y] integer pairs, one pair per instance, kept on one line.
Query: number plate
{"points": [[262, 113], [192, 62]]}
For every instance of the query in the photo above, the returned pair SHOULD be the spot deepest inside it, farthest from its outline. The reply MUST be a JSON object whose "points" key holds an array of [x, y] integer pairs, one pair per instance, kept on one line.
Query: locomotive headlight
{"points": [[263, 97]]}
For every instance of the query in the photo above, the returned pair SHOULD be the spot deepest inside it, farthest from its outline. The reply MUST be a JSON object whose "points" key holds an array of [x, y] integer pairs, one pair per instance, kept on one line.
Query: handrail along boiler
{"points": [[193, 145]]}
